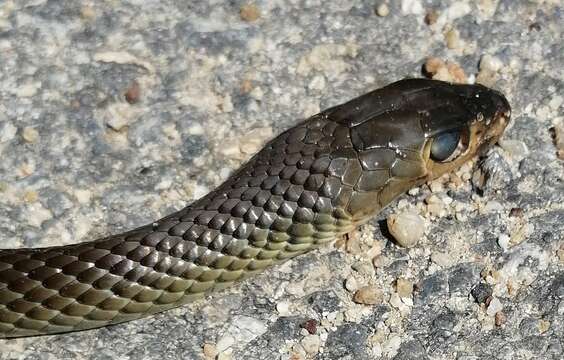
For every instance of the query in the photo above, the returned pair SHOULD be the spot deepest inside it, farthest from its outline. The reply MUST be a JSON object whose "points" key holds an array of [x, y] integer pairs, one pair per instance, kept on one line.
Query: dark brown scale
{"points": [[310, 184]]}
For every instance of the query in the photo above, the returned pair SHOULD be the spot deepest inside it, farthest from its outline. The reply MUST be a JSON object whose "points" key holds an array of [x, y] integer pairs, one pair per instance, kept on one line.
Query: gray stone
{"points": [[213, 77], [411, 350], [347, 343], [462, 277], [324, 301], [481, 292]]}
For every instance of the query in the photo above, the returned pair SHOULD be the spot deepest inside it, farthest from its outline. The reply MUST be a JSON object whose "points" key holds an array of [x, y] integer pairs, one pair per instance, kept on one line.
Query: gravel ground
{"points": [[115, 113]]}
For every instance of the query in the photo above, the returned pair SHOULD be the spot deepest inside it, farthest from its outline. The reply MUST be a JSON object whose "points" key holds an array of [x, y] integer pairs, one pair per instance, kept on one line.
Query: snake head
{"points": [[415, 130], [471, 120]]}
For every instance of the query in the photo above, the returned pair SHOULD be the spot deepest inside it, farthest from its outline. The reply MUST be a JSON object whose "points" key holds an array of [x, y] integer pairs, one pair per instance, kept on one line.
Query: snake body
{"points": [[311, 184]]}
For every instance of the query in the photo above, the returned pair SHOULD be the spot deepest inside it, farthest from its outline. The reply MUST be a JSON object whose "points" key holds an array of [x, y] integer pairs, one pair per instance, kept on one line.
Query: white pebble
{"points": [[7, 132], [407, 228], [383, 10], [83, 196], [503, 241], [37, 214], [351, 284], [494, 307], [225, 343], [435, 206], [257, 93], [196, 129], [492, 207], [491, 63], [392, 346], [436, 186], [395, 301], [311, 344], [364, 268], [283, 308], [412, 7], [440, 258], [461, 216], [226, 355]]}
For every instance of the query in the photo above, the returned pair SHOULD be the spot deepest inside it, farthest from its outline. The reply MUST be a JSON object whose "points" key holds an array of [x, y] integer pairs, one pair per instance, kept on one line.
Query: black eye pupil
{"points": [[444, 145]]}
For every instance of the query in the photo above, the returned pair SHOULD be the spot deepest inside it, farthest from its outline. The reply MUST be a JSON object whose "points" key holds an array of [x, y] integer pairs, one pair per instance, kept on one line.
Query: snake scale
{"points": [[311, 184]]}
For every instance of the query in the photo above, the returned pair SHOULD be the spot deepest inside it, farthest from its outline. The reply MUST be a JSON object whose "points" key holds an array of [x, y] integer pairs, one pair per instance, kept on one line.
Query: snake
{"points": [[310, 185]]}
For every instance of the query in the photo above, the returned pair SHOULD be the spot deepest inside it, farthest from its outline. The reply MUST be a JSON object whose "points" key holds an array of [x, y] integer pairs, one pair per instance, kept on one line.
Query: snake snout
{"points": [[502, 107], [492, 104]]}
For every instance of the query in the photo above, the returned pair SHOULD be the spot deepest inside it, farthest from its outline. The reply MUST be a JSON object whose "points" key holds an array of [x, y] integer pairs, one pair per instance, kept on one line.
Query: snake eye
{"points": [[444, 145]]}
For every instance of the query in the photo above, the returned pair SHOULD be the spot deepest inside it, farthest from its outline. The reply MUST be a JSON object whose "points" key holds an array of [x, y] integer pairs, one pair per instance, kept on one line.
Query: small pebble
{"points": [[500, 319], [224, 343], [392, 345], [490, 63], [88, 13], [406, 228], [209, 351], [558, 131], [436, 186], [435, 206], [404, 287], [504, 241], [494, 307], [249, 12], [283, 308], [560, 254], [364, 268], [544, 326], [7, 132], [516, 212], [368, 295], [30, 135], [118, 118], [351, 284], [133, 93], [412, 7], [380, 261], [439, 70], [492, 207], [460, 216], [317, 83], [26, 169], [452, 38], [487, 78], [37, 214], [225, 355], [431, 17], [441, 258], [382, 10], [481, 292], [30, 196], [310, 325], [352, 243], [311, 344], [395, 301], [433, 64]]}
